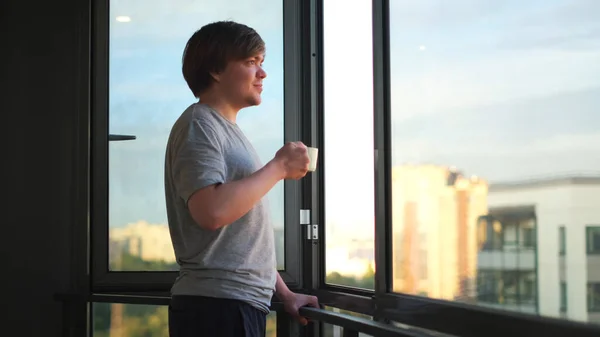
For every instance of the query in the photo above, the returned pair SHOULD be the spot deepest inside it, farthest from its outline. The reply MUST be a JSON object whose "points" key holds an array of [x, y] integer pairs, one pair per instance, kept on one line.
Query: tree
{"points": [[366, 281]]}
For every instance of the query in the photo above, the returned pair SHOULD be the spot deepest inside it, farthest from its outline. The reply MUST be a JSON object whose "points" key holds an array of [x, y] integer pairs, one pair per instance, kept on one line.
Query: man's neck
{"points": [[223, 107]]}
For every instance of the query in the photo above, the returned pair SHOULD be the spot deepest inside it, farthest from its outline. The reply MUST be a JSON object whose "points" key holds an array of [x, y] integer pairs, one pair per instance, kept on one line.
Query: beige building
{"points": [[150, 242], [435, 211]]}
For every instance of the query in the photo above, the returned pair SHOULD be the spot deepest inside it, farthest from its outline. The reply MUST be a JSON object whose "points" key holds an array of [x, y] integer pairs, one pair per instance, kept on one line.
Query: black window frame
{"points": [[104, 280]]}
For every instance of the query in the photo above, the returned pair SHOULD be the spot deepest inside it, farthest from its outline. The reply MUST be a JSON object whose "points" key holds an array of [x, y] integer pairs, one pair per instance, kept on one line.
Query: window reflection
{"points": [[137, 320], [147, 93], [494, 143]]}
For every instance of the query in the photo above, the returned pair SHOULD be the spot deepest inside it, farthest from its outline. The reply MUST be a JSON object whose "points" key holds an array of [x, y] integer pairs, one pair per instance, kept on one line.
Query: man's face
{"points": [[242, 81]]}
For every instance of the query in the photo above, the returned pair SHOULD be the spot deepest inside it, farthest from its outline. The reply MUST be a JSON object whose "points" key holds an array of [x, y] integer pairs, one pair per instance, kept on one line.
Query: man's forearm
{"points": [[281, 289], [230, 201]]}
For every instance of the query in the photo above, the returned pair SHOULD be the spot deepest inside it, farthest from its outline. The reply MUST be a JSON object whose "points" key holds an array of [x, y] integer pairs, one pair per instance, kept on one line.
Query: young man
{"points": [[215, 187]]}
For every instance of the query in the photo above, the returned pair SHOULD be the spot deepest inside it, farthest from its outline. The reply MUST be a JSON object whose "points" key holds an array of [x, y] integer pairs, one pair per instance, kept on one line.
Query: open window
{"points": [[472, 128]]}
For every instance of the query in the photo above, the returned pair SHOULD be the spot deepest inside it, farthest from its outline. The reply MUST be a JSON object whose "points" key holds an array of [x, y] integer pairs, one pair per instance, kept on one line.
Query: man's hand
{"points": [[294, 302], [293, 160]]}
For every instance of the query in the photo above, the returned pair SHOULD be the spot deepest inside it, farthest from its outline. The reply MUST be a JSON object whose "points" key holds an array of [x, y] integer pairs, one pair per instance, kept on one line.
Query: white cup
{"points": [[313, 155]]}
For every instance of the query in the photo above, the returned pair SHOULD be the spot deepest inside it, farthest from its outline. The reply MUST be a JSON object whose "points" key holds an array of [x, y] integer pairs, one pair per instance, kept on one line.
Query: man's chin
{"points": [[254, 101]]}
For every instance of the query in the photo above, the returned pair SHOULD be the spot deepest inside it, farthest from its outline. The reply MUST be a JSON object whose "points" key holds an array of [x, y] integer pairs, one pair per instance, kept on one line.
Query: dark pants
{"points": [[196, 316]]}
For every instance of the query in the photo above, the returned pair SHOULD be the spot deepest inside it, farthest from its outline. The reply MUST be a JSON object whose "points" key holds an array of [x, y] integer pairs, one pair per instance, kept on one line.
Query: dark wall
{"points": [[44, 100]]}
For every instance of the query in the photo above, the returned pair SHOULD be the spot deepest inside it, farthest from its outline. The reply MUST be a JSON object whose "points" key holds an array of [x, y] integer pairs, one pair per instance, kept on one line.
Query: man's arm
{"points": [[292, 302], [281, 290], [199, 174], [218, 205]]}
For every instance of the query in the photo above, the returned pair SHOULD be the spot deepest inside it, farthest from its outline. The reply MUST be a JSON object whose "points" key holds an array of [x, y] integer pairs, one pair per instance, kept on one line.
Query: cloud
{"points": [[160, 19], [588, 40], [440, 14], [149, 90], [437, 83], [557, 155], [543, 136], [570, 25], [484, 52], [570, 13]]}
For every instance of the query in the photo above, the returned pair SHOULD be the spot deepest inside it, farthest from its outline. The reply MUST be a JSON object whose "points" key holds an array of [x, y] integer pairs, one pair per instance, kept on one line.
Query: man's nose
{"points": [[262, 73]]}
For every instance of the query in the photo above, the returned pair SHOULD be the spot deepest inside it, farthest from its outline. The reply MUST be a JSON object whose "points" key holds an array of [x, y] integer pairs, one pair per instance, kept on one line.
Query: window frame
{"points": [[384, 305], [356, 298], [104, 280], [562, 240], [591, 297], [589, 229], [563, 302]]}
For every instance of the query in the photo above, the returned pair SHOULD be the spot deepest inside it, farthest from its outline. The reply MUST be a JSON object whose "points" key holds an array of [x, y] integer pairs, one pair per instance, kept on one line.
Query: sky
{"points": [[506, 90]]}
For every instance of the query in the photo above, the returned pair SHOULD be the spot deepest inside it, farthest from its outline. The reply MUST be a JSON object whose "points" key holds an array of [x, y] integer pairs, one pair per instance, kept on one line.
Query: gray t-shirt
{"points": [[236, 261]]}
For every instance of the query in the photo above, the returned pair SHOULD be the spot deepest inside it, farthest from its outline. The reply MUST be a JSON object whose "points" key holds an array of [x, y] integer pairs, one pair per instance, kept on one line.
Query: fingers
{"points": [[313, 301], [304, 161], [296, 145], [295, 158], [301, 145], [306, 158]]}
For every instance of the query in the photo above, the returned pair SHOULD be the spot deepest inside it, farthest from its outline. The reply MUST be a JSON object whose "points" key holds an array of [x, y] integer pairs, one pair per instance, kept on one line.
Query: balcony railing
{"points": [[286, 326]]}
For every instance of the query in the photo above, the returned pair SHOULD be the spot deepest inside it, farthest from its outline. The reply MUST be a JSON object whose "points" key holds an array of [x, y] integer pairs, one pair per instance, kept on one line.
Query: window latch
{"points": [[312, 230]]}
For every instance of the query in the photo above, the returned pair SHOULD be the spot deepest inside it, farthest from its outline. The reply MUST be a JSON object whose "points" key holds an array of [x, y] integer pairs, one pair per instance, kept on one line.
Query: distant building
{"points": [[150, 242], [435, 210], [540, 248]]}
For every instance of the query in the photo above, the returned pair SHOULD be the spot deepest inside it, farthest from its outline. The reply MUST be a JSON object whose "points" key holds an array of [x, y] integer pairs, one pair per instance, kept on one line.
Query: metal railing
{"points": [[354, 325], [287, 326]]}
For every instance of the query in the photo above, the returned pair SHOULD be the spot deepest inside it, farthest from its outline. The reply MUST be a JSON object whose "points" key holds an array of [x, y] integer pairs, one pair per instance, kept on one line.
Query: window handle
{"points": [[116, 138]]}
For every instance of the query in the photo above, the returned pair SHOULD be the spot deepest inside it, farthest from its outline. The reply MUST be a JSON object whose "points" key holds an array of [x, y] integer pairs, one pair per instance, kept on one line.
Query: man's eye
{"points": [[252, 62]]}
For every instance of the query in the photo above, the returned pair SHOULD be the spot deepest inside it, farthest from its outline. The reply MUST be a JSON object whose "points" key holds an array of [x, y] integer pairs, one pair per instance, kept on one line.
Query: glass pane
{"points": [[348, 124], [562, 240], [563, 297], [147, 94], [138, 320], [593, 240], [494, 144], [593, 298]]}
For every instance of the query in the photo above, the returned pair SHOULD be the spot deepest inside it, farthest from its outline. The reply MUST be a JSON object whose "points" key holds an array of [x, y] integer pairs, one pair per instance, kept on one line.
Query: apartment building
{"points": [[539, 248]]}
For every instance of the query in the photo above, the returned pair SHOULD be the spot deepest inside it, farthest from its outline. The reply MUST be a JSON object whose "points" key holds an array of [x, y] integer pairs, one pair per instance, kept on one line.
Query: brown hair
{"points": [[212, 47]]}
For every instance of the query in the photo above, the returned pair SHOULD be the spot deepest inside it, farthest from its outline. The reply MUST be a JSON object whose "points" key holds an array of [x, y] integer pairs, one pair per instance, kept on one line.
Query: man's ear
{"points": [[216, 76]]}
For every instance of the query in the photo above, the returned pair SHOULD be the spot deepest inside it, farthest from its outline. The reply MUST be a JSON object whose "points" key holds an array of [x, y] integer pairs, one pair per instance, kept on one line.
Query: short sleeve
{"points": [[198, 160]]}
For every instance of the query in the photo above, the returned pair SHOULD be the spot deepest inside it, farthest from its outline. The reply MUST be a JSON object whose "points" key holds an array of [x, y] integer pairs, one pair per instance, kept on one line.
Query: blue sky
{"points": [[148, 93], [506, 90]]}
